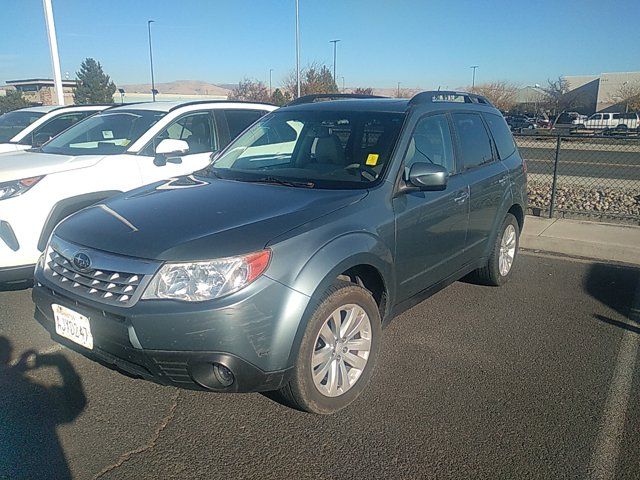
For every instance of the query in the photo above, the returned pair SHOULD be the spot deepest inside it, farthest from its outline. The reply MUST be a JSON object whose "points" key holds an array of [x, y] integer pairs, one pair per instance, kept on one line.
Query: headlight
{"points": [[199, 281], [17, 187]]}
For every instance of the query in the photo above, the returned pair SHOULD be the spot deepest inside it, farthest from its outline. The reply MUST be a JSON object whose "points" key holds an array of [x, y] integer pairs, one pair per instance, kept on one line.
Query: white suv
{"points": [[607, 121], [33, 126], [108, 153]]}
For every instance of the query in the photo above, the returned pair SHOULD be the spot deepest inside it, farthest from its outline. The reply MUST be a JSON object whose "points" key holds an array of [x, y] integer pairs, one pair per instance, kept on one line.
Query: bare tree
{"points": [[314, 78], [501, 93], [406, 92], [251, 91], [628, 94], [561, 98], [363, 91]]}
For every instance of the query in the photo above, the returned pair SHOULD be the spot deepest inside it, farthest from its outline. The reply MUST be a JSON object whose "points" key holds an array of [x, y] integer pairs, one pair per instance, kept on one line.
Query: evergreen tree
{"points": [[12, 101], [278, 98], [94, 86]]}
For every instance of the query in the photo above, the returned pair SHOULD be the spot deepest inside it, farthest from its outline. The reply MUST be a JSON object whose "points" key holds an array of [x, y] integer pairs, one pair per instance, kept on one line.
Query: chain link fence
{"points": [[586, 177]]}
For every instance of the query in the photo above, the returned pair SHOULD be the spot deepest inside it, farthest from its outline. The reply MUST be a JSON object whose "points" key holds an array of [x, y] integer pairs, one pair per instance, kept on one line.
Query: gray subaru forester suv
{"points": [[276, 268]]}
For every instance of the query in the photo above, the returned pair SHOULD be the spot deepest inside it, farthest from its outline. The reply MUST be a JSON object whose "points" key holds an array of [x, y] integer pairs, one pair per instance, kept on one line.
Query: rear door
{"points": [[431, 227], [232, 122], [487, 178]]}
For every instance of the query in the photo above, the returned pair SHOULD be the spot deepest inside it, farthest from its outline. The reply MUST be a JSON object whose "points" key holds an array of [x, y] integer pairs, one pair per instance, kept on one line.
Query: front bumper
{"points": [[16, 274], [177, 344]]}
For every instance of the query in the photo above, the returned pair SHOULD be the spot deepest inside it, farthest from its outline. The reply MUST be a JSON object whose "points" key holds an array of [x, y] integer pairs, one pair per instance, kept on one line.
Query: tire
{"points": [[491, 274], [302, 391]]}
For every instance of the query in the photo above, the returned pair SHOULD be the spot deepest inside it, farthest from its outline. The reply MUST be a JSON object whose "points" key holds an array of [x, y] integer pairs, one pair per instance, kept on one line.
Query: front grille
{"points": [[109, 278], [115, 286]]}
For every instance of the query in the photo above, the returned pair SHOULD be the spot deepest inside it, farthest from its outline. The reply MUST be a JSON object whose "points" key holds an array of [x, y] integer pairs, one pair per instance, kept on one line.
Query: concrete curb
{"points": [[598, 241]]}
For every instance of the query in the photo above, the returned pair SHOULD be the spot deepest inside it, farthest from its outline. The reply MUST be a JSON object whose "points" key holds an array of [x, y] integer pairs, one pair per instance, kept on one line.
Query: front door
{"points": [[197, 129], [431, 227]]}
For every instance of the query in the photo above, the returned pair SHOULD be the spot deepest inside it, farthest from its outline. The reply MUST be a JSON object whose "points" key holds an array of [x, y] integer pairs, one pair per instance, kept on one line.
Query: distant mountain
{"points": [[179, 87]]}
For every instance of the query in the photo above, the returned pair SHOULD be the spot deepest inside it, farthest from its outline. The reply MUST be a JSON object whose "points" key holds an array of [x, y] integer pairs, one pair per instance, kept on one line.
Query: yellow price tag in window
{"points": [[372, 159]]}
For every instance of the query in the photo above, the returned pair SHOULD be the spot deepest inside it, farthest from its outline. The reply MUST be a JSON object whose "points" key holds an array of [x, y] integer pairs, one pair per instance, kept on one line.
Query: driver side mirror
{"points": [[170, 148], [427, 177]]}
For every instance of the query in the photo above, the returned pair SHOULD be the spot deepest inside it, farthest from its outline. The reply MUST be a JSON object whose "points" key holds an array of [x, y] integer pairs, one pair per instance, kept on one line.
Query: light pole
{"points": [[473, 78], [153, 84], [398, 95], [343, 89], [335, 44], [298, 48], [53, 49], [121, 90], [270, 74]]}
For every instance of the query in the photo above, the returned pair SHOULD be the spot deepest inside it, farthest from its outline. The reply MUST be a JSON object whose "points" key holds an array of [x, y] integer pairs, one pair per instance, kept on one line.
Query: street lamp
{"points": [[153, 85], [335, 44], [398, 95], [473, 78], [298, 48], [343, 89], [121, 90], [270, 74]]}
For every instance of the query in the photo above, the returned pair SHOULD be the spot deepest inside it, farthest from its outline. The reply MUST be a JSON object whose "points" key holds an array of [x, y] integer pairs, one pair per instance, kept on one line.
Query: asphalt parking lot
{"points": [[537, 379]]}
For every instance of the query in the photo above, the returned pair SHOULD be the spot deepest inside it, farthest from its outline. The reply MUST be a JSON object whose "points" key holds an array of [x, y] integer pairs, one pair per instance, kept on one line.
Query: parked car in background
{"points": [[571, 118], [612, 121], [518, 123], [113, 151], [33, 126], [275, 268]]}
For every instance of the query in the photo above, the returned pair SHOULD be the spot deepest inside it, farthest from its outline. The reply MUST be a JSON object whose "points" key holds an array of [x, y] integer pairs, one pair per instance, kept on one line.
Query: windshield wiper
{"points": [[280, 181]]}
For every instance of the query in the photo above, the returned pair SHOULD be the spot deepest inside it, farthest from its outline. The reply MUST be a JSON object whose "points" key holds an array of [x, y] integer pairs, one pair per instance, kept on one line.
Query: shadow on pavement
{"points": [[30, 414], [618, 287]]}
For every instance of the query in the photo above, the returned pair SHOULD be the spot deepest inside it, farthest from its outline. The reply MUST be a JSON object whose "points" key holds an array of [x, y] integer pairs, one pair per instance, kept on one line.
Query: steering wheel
{"points": [[363, 169]]}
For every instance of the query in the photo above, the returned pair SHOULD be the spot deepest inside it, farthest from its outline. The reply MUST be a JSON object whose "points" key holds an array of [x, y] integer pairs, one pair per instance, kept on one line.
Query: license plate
{"points": [[72, 325]]}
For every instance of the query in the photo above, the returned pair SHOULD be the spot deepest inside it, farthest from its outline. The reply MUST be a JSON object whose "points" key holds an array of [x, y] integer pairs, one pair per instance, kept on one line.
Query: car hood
{"points": [[25, 164], [193, 218]]}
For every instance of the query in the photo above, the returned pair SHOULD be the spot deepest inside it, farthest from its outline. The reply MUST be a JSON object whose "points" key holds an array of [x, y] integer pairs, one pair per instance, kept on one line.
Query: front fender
{"points": [[320, 271]]}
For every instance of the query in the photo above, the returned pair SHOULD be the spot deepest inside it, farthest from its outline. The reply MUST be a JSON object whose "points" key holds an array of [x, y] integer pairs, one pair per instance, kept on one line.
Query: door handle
{"points": [[460, 199]]}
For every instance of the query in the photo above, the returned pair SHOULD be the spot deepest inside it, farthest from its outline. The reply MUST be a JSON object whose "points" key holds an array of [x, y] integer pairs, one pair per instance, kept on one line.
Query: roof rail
{"points": [[435, 96], [329, 96], [199, 102]]}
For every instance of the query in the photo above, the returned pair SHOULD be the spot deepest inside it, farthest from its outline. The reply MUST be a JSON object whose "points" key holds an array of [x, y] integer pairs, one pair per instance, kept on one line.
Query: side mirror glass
{"points": [[170, 146], [428, 176]]}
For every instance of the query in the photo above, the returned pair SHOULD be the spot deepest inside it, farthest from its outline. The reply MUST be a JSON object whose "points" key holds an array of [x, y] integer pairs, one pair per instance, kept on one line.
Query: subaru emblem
{"points": [[82, 261]]}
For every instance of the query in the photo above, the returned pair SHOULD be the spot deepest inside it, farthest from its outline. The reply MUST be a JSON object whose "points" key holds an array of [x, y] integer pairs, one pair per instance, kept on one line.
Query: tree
{"points": [[94, 86], [628, 95], [12, 101], [279, 98], [314, 78], [250, 91], [502, 94], [364, 91], [560, 97]]}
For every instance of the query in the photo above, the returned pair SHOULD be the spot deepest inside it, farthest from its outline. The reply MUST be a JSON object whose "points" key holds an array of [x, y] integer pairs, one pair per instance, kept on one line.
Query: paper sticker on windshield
{"points": [[107, 134], [372, 159]]}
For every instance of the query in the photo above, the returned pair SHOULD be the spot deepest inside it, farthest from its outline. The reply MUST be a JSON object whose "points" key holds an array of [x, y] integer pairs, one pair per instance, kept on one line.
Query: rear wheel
{"points": [[338, 351], [498, 268]]}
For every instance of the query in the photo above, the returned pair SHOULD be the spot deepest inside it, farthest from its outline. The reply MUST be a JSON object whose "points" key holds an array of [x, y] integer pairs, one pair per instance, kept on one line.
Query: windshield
{"points": [[13, 123], [105, 133], [322, 149]]}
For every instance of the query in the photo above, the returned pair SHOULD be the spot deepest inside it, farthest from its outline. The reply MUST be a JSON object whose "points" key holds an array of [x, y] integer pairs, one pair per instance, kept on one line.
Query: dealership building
{"points": [[41, 91], [601, 93]]}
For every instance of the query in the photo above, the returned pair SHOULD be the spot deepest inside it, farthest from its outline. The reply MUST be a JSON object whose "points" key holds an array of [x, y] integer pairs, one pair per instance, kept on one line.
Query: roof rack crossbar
{"points": [[435, 96], [329, 96]]}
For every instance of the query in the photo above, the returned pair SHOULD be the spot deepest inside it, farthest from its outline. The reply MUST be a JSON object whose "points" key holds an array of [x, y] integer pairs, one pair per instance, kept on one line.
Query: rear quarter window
{"points": [[501, 135]]}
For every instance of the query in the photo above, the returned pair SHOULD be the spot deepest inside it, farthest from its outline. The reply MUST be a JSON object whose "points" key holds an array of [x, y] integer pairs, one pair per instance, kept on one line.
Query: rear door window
{"points": [[501, 135], [53, 127], [475, 145], [239, 120]]}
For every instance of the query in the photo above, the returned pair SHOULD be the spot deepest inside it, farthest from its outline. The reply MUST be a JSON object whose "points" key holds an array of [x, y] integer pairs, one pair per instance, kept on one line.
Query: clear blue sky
{"points": [[421, 43]]}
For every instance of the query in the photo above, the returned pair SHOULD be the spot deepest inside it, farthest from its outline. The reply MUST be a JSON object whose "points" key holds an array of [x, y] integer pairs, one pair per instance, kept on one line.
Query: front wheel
{"points": [[498, 268], [338, 351]]}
